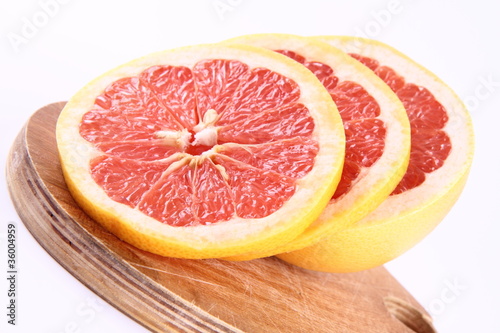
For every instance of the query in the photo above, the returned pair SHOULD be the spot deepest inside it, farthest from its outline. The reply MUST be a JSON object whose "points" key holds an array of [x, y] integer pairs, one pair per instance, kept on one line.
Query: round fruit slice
{"points": [[376, 126], [204, 151], [441, 156]]}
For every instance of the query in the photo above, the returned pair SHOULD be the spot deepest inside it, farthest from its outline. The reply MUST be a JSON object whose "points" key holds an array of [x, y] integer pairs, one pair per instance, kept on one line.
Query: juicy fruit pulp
{"points": [[198, 146], [430, 145], [365, 133]]}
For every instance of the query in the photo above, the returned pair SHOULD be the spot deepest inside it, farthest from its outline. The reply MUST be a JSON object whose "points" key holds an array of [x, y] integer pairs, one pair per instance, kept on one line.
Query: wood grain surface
{"points": [[174, 295]]}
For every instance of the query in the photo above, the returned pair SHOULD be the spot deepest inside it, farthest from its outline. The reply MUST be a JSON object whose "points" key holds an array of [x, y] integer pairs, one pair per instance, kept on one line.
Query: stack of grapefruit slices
{"points": [[334, 153]]}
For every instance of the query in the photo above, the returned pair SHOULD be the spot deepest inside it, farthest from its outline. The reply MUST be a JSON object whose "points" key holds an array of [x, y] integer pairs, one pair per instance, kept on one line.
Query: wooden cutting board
{"points": [[174, 295]]}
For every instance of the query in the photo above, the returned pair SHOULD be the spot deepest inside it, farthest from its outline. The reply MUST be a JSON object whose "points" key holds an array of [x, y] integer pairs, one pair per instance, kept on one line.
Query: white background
{"points": [[453, 272]]}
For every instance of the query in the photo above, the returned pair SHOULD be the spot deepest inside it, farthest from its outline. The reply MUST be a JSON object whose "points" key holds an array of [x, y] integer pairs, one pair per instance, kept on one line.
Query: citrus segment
{"points": [[354, 101], [365, 141], [153, 150], [190, 196], [256, 192], [125, 181], [118, 114], [283, 123], [147, 150], [216, 83], [173, 87], [170, 200], [441, 155], [262, 90], [424, 111], [213, 200], [292, 158], [376, 129]]}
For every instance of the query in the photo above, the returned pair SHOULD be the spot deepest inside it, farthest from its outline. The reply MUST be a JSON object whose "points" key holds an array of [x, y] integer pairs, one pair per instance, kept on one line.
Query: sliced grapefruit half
{"points": [[203, 151], [440, 160], [376, 126]]}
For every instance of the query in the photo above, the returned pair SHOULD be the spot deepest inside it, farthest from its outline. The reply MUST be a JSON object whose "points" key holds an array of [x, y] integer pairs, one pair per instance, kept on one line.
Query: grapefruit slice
{"points": [[440, 159], [377, 133], [203, 151]]}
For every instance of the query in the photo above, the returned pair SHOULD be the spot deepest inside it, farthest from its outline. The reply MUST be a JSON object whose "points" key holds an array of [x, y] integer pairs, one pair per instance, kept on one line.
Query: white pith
{"points": [[179, 139], [205, 133]]}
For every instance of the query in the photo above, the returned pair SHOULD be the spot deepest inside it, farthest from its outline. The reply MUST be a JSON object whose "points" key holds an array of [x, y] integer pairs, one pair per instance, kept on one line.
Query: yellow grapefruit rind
{"points": [[374, 184], [405, 219], [221, 239]]}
